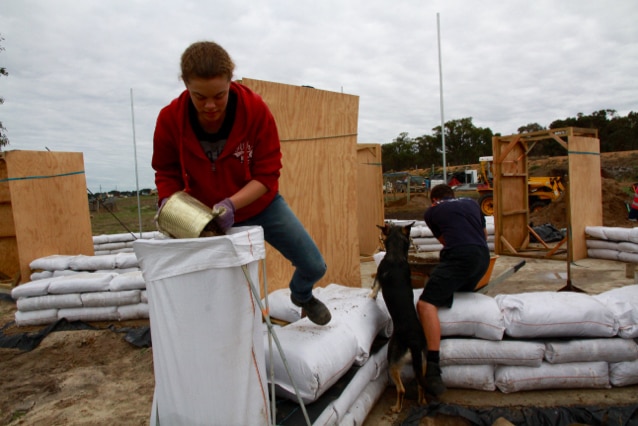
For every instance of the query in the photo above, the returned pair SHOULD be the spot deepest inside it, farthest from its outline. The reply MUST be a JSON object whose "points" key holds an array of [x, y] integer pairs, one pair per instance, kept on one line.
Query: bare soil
{"points": [[93, 377]]}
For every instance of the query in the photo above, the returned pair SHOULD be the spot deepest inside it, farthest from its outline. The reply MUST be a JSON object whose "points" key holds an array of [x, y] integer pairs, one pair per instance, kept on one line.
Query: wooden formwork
{"points": [[43, 209], [583, 194], [318, 132], [370, 196]]}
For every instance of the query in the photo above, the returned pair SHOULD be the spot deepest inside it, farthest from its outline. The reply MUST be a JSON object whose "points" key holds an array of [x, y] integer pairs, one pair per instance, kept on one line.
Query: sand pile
{"points": [[614, 208]]}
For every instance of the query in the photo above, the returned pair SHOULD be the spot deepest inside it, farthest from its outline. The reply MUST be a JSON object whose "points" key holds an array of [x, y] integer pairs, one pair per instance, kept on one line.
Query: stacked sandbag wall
{"points": [[105, 287], [612, 243], [424, 240]]}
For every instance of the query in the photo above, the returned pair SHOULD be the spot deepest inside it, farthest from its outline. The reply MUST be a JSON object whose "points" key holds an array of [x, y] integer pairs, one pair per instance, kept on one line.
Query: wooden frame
{"points": [[583, 191]]}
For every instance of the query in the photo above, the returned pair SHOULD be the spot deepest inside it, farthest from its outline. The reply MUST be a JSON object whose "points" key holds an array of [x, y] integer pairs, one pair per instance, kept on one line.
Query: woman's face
{"points": [[210, 97]]}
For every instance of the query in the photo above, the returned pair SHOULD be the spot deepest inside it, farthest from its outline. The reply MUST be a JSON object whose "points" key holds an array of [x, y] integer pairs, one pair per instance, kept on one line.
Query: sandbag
{"points": [[92, 263], [317, 357], [552, 376], [479, 377], [125, 260], [32, 288], [52, 263], [623, 303], [132, 312], [353, 308], [40, 275], [623, 373], [39, 317], [80, 283], [478, 352], [128, 281], [101, 313], [110, 298], [584, 350], [472, 315], [555, 314], [57, 301]]}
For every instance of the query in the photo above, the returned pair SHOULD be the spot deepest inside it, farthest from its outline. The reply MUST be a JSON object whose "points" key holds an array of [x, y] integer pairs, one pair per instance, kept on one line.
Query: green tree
{"points": [[429, 150], [400, 154], [4, 140], [464, 142], [531, 127]]}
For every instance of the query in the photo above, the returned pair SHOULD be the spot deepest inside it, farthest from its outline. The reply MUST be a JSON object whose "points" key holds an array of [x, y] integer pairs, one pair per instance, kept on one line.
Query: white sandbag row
{"points": [[613, 233], [517, 365], [58, 265], [576, 363], [121, 243], [85, 296], [519, 371], [612, 243], [424, 240], [571, 314]]}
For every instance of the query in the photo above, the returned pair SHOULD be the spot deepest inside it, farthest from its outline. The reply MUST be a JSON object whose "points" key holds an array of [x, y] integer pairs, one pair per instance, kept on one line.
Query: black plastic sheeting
{"points": [[137, 336], [550, 416]]}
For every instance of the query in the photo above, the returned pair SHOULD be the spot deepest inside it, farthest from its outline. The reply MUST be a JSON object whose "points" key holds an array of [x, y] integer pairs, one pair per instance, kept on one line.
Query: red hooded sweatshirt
{"points": [[251, 152]]}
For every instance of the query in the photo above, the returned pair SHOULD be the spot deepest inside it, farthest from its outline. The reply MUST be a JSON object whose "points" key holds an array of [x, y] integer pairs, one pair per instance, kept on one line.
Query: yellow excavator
{"points": [[541, 190]]}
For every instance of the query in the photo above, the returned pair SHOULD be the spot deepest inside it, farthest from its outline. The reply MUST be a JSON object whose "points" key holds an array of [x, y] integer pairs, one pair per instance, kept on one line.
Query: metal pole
{"points": [[438, 33], [137, 183]]}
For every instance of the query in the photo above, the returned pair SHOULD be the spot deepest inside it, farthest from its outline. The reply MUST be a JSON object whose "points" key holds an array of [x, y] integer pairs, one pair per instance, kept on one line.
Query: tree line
{"points": [[465, 143]]}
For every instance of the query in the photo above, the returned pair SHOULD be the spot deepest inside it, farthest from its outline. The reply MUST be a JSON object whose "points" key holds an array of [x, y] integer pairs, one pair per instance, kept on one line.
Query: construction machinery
{"points": [[541, 190]]}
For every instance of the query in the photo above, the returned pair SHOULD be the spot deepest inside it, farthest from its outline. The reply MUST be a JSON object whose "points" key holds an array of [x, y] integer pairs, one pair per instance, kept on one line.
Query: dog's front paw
{"points": [[373, 294]]}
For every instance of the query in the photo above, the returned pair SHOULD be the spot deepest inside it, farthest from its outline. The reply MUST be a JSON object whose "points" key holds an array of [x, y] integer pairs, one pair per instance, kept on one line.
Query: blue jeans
{"points": [[287, 235]]}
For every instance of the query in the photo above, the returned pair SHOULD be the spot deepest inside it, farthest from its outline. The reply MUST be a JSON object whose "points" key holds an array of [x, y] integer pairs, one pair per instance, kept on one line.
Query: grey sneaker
{"points": [[433, 383], [314, 309]]}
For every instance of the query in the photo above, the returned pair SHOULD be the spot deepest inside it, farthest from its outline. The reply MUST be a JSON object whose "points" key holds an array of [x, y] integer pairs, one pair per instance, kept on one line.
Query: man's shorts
{"points": [[459, 269]]}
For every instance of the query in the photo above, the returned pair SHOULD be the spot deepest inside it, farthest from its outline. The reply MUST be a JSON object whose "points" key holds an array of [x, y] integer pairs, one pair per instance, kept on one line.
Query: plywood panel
{"points": [[49, 205], [585, 191], [370, 196], [9, 261], [319, 176]]}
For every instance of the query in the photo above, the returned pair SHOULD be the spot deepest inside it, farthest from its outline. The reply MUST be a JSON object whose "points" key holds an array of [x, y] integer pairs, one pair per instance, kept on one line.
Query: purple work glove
{"points": [[226, 219]]}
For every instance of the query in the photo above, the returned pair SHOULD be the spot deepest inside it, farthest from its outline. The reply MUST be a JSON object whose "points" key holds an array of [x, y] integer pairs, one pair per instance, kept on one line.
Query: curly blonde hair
{"points": [[206, 59]]}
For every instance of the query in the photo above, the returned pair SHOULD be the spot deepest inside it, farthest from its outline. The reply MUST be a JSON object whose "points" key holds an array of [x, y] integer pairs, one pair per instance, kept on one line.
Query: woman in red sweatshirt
{"points": [[218, 142]]}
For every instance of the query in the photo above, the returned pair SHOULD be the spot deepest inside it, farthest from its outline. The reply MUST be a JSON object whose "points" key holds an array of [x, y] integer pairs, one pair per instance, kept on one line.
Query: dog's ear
{"points": [[385, 229], [407, 228]]}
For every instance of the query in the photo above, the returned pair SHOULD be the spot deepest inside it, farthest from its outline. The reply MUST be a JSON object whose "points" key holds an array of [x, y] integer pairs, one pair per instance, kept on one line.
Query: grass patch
{"points": [[124, 216]]}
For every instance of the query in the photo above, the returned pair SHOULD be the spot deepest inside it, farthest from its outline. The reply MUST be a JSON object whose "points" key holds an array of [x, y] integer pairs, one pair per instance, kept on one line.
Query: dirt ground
{"points": [[89, 377]]}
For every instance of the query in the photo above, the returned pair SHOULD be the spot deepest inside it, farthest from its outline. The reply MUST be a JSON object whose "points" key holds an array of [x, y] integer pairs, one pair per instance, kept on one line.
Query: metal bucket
{"points": [[183, 216]]}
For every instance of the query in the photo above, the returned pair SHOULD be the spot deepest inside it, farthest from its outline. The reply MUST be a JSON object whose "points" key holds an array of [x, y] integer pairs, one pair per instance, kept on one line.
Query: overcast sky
{"points": [[72, 65]]}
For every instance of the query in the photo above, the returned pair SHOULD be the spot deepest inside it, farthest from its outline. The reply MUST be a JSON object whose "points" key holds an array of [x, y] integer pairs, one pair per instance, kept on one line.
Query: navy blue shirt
{"points": [[458, 220]]}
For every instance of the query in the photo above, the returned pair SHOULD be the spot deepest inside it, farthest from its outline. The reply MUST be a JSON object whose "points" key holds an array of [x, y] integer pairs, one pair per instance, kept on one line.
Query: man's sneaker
{"points": [[314, 309], [433, 383]]}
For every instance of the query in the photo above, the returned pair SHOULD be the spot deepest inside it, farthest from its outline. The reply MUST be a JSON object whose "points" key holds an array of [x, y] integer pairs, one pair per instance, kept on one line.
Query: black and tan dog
{"points": [[393, 277]]}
